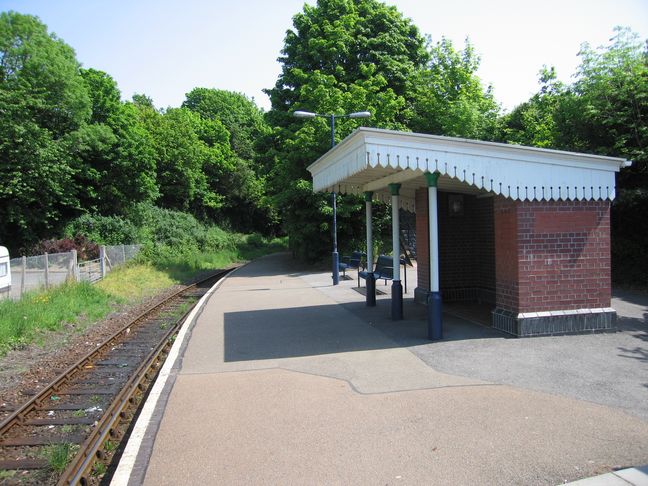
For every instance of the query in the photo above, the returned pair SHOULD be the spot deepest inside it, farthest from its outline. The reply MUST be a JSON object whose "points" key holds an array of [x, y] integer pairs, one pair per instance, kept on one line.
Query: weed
{"points": [[95, 399], [68, 429], [6, 474], [110, 446], [58, 455], [99, 469], [79, 413]]}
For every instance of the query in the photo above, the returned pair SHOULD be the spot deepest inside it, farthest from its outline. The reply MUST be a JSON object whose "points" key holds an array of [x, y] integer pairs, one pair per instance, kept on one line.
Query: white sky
{"points": [[164, 48]]}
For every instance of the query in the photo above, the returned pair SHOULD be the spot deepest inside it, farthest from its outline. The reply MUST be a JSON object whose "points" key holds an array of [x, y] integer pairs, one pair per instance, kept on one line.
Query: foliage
{"points": [[242, 118], [86, 249], [342, 56], [245, 206], [114, 152], [104, 230], [59, 455], [534, 122], [602, 112], [449, 98], [42, 98]]}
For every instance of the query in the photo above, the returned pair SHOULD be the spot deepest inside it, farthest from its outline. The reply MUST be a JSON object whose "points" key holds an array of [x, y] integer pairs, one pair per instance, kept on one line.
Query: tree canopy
{"points": [[602, 112], [42, 97], [342, 56]]}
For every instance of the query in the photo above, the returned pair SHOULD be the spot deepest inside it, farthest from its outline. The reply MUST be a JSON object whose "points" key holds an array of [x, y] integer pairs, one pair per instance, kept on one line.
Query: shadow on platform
{"points": [[316, 330]]}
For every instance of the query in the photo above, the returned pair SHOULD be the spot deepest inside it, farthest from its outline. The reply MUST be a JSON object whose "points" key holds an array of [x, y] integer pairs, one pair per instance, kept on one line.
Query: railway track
{"points": [[69, 432]]}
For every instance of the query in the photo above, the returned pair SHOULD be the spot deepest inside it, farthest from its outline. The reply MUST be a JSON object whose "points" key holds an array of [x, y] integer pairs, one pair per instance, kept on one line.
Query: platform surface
{"points": [[285, 379]]}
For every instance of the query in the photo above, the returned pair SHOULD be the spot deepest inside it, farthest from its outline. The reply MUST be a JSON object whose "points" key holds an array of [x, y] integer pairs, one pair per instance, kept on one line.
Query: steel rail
{"points": [[53, 386], [134, 382], [80, 467]]}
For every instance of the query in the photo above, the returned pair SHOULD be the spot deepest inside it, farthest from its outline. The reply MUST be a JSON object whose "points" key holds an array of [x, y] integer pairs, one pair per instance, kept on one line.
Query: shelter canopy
{"points": [[369, 159]]}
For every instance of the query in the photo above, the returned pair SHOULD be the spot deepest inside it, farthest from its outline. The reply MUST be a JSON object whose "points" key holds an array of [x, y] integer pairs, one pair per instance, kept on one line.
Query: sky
{"points": [[165, 48]]}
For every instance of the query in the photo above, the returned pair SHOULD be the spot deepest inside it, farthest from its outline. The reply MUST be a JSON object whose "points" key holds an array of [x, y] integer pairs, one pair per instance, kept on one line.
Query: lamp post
{"points": [[332, 117]]}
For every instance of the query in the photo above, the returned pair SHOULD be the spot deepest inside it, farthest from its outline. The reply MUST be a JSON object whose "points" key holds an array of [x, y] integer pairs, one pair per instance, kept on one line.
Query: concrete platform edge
{"points": [[133, 463]]}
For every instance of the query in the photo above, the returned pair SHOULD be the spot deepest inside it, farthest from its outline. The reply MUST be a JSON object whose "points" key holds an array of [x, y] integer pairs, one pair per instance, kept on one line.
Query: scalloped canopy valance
{"points": [[369, 159]]}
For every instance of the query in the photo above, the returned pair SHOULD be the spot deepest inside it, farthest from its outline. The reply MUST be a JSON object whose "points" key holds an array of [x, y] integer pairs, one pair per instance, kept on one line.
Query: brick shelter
{"points": [[526, 230]]}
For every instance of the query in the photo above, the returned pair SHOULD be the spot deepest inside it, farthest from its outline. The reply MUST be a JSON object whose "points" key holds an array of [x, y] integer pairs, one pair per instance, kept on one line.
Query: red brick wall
{"points": [[564, 255], [559, 252], [506, 254]]}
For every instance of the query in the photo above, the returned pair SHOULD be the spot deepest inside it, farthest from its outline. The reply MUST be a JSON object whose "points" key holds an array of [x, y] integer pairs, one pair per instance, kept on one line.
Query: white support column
{"points": [[368, 210], [395, 238], [397, 289], [371, 281], [433, 224], [435, 327]]}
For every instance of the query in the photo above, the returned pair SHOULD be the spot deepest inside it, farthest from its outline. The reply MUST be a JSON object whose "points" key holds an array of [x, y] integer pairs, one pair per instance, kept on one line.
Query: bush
{"points": [[105, 230], [167, 227], [86, 249]]}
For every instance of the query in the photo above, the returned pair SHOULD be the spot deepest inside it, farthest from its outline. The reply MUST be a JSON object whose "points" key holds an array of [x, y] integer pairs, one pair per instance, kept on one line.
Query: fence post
{"points": [[24, 275], [46, 271], [102, 260], [123, 254], [72, 273]]}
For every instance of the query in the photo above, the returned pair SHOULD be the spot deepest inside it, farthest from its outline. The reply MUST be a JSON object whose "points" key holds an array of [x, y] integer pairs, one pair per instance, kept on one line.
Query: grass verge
{"points": [[30, 319]]}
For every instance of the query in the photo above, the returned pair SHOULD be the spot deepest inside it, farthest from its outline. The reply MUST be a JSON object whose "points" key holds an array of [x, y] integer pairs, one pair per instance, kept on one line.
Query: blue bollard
{"points": [[435, 327]]}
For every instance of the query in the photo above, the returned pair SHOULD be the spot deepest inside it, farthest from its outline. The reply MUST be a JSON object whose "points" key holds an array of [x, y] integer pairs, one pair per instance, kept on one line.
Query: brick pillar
{"points": [[552, 263]]}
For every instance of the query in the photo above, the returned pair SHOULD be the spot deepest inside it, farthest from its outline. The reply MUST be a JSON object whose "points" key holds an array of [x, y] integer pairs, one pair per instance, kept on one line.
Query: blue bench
{"points": [[384, 269], [355, 261]]}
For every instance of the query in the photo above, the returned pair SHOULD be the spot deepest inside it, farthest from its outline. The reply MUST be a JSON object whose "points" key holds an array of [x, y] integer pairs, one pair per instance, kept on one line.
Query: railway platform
{"points": [[282, 378]]}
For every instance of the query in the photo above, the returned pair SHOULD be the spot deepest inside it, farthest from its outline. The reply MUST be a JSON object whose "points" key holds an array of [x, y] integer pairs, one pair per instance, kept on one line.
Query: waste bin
{"points": [[5, 272]]}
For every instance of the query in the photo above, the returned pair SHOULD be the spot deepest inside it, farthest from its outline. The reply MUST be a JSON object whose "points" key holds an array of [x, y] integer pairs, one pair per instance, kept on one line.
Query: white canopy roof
{"points": [[369, 159]]}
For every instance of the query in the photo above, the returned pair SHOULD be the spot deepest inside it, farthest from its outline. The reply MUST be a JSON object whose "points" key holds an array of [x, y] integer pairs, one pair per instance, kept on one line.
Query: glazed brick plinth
{"points": [[552, 255], [555, 322]]}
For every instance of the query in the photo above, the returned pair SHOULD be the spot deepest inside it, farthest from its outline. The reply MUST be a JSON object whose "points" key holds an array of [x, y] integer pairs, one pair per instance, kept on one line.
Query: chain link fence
{"points": [[51, 269]]}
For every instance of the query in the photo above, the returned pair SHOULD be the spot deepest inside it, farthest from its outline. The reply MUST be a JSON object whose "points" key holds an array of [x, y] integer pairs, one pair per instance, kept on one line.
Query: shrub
{"points": [[106, 230], [167, 227], [86, 249]]}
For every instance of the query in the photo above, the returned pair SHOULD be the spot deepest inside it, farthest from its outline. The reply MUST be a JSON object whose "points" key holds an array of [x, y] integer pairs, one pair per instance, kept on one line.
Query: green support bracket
{"points": [[432, 178], [394, 189]]}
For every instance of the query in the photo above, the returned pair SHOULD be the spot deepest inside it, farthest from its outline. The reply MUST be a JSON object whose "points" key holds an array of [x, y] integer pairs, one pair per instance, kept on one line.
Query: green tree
{"points": [[449, 98], [242, 118], [42, 99], [535, 122], [342, 56], [245, 206], [612, 97], [114, 152], [182, 159], [602, 112]]}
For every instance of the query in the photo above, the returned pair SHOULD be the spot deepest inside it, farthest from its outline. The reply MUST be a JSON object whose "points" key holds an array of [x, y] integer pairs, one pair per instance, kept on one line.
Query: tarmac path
{"points": [[284, 380]]}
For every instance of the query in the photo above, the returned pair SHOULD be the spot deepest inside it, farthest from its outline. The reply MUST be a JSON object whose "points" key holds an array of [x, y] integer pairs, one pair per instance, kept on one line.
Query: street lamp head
{"points": [[304, 114], [360, 114]]}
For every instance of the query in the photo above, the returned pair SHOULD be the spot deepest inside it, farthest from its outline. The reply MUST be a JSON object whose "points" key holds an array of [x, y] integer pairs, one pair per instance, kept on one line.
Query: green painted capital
{"points": [[394, 188], [368, 196], [432, 178]]}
